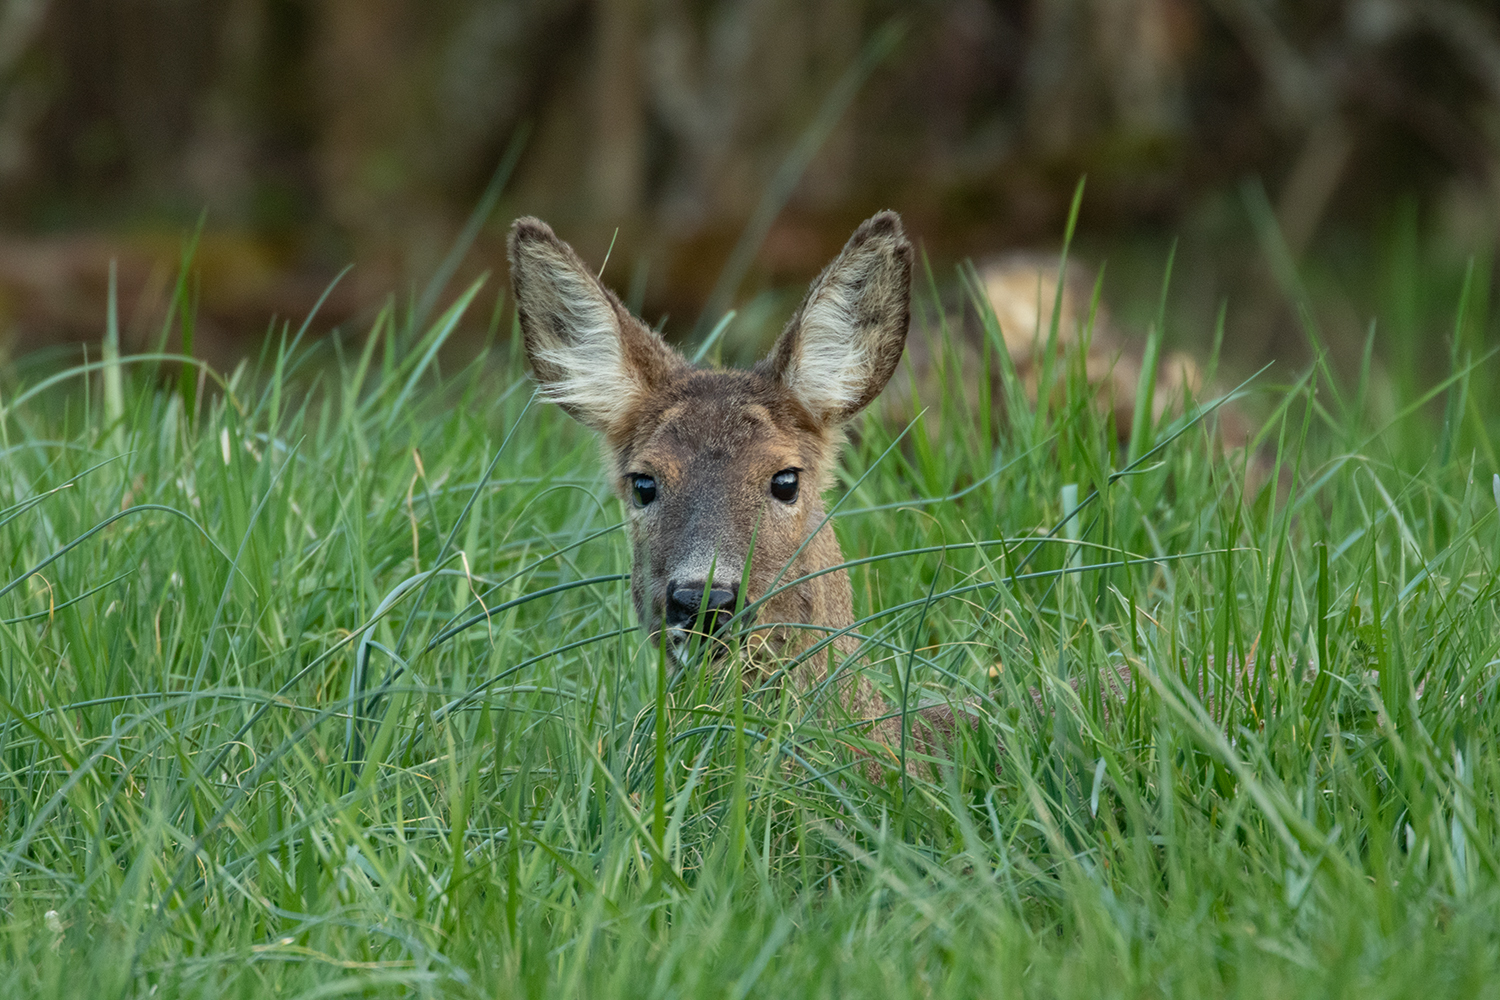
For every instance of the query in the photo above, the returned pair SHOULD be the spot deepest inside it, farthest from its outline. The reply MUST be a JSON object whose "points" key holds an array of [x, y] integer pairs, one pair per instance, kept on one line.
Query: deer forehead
{"points": [[725, 424]]}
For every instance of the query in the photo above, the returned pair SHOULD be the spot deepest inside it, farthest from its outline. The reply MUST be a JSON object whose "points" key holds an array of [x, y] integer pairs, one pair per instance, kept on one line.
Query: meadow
{"points": [[320, 678]]}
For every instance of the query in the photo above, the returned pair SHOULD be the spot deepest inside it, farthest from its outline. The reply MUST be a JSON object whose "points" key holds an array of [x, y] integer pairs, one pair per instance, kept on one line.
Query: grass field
{"points": [[320, 679]]}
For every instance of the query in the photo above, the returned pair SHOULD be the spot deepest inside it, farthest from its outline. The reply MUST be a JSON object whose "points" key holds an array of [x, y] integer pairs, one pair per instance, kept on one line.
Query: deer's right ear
{"points": [[589, 355]]}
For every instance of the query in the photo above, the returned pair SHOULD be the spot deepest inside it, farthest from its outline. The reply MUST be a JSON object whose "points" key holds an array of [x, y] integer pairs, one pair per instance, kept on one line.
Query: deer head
{"points": [[721, 471]]}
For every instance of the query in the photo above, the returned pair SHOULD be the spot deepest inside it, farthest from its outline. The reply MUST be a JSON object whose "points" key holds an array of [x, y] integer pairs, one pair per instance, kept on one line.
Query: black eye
{"points": [[784, 485], [643, 488]]}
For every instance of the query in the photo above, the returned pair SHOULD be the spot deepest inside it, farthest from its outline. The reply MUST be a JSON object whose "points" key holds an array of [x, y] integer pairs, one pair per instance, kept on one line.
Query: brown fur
{"points": [[1022, 289], [712, 439]]}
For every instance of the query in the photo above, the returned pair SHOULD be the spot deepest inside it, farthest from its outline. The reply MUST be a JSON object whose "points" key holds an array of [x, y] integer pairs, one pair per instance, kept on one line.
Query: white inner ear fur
{"points": [[596, 382], [834, 363]]}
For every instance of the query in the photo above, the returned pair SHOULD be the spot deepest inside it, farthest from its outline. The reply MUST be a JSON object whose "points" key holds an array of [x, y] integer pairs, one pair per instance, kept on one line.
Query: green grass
{"points": [[245, 748]]}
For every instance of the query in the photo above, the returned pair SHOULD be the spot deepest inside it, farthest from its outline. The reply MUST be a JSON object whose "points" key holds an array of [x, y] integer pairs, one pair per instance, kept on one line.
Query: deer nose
{"points": [[687, 598]]}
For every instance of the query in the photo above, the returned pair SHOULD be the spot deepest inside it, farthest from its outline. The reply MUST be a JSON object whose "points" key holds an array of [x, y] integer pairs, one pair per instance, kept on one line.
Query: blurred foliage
{"points": [[314, 134]]}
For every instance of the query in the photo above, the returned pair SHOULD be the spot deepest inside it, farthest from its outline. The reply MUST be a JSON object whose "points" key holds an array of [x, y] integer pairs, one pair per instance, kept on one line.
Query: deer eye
{"points": [[784, 486], [643, 488]]}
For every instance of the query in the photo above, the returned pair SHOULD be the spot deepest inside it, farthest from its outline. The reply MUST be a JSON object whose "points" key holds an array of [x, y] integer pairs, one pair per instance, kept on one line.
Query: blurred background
{"points": [[1348, 150]]}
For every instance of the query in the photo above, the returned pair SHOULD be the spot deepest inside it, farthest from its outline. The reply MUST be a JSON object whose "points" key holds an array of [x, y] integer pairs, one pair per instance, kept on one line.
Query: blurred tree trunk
{"points": [[618, 167], [365, 129]]}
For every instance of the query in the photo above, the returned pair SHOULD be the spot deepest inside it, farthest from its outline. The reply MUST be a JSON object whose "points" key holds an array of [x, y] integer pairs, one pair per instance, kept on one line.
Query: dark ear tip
{"points": [[886, 223], [529, 229], [881, 225]]}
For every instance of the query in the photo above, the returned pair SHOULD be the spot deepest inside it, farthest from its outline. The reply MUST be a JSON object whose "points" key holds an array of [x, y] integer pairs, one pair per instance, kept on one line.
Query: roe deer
{"points": [[1022, 289], [709, 462]]}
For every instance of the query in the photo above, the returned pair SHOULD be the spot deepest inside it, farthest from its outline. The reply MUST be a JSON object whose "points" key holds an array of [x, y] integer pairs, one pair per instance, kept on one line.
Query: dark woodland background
{"points": [[311, 135]]}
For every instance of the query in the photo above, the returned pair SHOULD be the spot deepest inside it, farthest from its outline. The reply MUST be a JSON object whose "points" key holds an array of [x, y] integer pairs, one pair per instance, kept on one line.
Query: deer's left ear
{"points": [[843, 345]]}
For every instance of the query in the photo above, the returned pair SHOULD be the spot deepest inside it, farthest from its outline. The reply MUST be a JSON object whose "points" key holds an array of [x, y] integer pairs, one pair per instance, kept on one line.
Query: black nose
{"points": [[685, 600]]}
